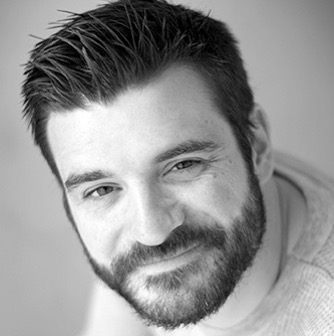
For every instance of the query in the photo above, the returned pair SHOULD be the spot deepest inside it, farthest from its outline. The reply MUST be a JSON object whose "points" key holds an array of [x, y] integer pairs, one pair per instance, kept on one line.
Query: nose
{"points": [[154, 215]]}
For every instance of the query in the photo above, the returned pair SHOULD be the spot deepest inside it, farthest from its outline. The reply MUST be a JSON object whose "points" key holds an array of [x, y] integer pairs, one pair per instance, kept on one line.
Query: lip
{"points": [[173, 262]]}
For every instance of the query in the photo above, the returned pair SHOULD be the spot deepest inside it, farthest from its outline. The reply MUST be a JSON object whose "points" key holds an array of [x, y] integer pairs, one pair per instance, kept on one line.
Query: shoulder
{"points": [[316, 243], [305, 305]]}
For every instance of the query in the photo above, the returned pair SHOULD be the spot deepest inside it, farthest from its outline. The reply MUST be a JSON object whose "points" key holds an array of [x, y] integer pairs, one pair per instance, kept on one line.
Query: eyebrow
{"points": [[187, 147], [75, 179]]}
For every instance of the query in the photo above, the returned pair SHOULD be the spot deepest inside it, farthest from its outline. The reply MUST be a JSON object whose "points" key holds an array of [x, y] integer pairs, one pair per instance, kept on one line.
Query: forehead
{"points": [[139, 124]]}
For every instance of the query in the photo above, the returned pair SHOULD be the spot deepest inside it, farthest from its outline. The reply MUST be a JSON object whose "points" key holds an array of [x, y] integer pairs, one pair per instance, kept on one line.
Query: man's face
{"points": [[169, 213]]}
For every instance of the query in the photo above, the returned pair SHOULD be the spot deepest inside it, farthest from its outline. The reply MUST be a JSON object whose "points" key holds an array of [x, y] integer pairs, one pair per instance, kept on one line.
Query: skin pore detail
{"points": [[161, 196], [173, 156], [185, 168]]}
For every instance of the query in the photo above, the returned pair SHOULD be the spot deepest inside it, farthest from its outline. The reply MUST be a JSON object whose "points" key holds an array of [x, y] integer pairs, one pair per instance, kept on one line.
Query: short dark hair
{"points": [[97, 54]]}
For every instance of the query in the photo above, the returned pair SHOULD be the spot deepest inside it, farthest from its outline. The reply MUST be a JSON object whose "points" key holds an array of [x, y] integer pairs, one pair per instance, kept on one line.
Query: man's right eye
{"points": [[101, 191]]}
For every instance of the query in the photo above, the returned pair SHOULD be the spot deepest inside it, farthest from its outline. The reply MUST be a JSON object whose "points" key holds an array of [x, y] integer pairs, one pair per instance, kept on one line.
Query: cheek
{"points": [[100, 234], [219, 202], [220, 196]]}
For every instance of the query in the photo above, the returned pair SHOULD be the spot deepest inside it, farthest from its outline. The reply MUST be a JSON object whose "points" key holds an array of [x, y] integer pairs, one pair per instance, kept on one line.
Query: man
{"points": [[144, 113]]}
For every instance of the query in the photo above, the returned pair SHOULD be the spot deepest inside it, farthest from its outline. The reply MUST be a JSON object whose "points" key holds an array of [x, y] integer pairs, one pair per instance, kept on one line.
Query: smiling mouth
{"points": [[172, 262]]}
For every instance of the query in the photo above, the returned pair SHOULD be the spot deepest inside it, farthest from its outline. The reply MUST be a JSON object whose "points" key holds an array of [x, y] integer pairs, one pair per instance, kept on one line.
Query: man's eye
{"points": [[101, 191], [187, 169], [188, 164]]}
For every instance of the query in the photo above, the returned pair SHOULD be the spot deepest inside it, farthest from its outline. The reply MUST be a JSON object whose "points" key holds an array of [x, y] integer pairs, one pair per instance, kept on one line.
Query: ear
{"points": [[261, 146]]}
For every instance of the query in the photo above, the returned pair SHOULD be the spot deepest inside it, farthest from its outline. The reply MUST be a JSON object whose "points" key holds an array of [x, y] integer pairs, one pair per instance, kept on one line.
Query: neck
{"points": [[261, 276]]}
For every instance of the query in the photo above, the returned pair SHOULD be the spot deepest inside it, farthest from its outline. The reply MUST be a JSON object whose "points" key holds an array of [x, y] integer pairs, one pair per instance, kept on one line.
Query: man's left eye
{"points": [[188, 164], [187, 170]]}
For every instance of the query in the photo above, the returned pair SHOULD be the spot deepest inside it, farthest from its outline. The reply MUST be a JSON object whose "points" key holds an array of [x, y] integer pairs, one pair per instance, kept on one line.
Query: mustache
{"points": [[181, 239]]}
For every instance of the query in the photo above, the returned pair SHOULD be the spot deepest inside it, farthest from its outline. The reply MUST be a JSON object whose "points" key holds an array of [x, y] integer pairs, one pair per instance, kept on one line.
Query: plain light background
{"points": [[44, 279]]}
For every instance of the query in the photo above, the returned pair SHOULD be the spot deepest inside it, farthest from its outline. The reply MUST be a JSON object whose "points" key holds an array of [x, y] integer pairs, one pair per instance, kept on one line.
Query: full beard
{"points": [[196, 289]]}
